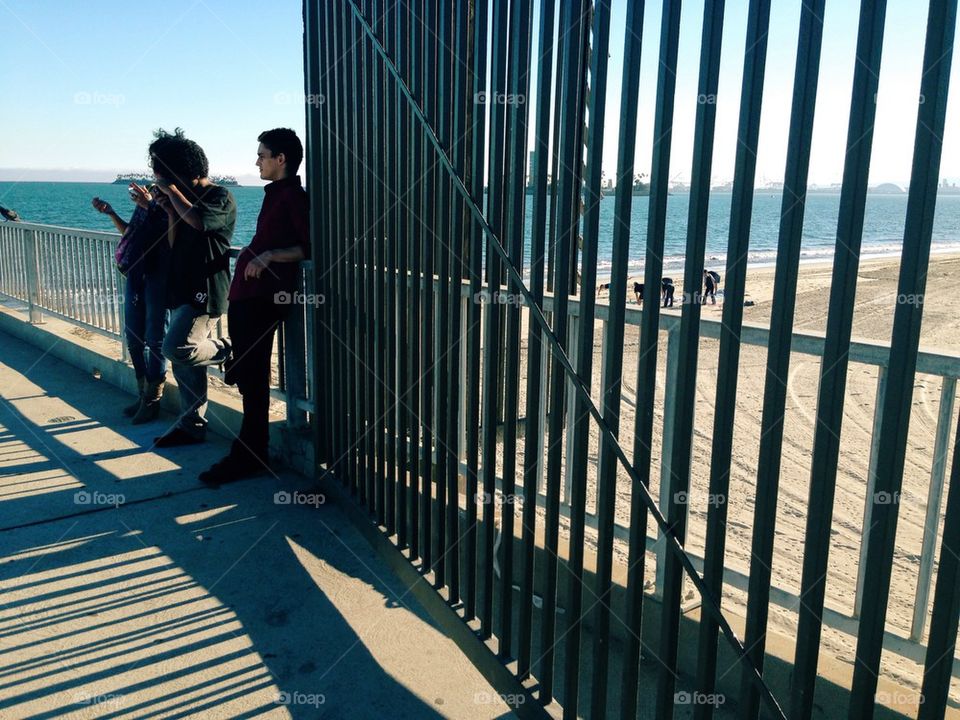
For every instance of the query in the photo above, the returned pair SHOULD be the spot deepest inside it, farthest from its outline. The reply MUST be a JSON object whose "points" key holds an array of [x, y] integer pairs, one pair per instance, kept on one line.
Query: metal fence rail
{"points": [[940, 367], [71, 274], [417, 174]]}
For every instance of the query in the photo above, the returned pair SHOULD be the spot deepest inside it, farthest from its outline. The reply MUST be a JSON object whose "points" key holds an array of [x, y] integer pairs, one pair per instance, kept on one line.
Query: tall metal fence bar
{"points": [[578, 592], [463, 62], [518, 85], [731, 328], [491, 319], [405, 294], [781, 327], [387, 429], [689, 332], [826, 446], [440, 220], [612, 364], [568, 181], [533, 436], [430, 287], [476, 133], [924, 177]]}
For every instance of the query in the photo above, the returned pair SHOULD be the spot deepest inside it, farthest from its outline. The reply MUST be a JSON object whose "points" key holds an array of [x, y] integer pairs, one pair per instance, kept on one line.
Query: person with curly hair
{"points": [[201, 219]]}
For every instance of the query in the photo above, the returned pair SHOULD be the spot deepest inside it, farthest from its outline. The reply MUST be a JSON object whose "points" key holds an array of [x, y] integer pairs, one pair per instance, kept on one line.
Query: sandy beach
{"points": [[873, 321]]}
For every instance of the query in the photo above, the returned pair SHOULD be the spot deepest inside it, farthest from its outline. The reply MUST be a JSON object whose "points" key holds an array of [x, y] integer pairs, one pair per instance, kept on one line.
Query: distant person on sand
{"points": [[201, 217], [666, 291], [265, 284], [638, 291], [711, 280], [143, 258]]}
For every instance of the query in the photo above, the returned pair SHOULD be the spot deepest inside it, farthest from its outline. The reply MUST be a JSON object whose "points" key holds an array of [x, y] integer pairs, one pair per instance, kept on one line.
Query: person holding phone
{"points": [[143, 258], [201, 217]]}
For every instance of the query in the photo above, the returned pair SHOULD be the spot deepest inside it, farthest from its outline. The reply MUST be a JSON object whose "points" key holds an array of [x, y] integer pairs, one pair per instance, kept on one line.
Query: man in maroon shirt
{"points": [[264, 283]]}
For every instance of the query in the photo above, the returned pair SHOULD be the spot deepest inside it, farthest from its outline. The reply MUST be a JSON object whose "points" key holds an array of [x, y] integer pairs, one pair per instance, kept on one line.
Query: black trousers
{"points": [[252, 324], [667, 294]]}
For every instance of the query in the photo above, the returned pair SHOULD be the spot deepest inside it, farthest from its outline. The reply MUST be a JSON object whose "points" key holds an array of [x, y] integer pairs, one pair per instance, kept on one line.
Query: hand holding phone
{"points": [[140, 195], [102, 206]]}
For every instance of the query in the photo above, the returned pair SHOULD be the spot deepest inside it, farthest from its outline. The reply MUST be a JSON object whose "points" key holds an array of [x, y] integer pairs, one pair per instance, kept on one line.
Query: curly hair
{"points": [[174, 157]]}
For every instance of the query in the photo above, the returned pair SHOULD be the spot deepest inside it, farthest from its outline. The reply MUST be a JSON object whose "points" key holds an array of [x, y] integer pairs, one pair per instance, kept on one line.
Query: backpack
{"points": [[144, 227], [716, 276]]}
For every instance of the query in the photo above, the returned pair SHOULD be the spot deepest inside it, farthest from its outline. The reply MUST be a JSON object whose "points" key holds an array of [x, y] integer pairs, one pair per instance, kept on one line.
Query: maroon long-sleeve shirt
{"points": [[283, 223]]}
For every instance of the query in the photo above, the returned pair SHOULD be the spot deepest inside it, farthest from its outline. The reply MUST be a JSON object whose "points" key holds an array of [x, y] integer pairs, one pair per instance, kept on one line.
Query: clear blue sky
{"points": [[85, 85], [223, 70], [896, 111]]}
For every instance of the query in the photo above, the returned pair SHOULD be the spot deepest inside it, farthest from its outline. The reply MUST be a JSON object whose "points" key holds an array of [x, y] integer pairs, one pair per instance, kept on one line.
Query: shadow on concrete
{"points": [[255, 600]]}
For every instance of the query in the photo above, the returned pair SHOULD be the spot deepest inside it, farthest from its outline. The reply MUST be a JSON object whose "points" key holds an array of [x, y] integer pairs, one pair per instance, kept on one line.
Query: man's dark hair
{"points": [[284, 140], [174, 157]]}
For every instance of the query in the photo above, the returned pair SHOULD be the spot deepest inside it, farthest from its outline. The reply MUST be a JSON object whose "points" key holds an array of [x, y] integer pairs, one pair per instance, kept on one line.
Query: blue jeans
{"points": [[190, 348], [145, 318]]}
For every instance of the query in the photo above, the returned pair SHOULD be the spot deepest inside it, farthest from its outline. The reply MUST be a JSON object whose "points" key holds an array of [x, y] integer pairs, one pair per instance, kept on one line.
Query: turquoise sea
{"points": [[68, 205]]}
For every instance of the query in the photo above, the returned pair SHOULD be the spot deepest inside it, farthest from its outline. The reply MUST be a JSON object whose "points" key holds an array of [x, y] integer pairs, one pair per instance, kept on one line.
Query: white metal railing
{"points": [[71, 274], [937, 364]]}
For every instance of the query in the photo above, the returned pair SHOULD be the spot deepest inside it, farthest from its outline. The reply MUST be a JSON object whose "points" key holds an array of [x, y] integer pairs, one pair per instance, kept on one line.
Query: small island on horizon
{"points": [[145, 178]]}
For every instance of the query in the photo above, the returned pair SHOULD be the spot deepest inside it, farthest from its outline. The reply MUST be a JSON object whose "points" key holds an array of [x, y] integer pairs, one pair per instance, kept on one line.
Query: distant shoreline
{"points": [[91, 182], [950, 192]]}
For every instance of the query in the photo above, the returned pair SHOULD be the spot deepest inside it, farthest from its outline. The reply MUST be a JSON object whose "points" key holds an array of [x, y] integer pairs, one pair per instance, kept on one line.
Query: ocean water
{"points": [[68, 205]]}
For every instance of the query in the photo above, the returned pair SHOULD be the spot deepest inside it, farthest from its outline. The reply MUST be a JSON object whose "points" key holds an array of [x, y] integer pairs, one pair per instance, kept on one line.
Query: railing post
{"points": [[871, 482], [666, 451], [931, 525], [122, 315], [33, 276]]}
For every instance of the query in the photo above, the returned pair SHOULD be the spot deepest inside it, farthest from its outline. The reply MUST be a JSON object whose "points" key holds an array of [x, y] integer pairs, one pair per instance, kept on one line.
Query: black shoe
{"points": [[231, 468], [175, 438]]}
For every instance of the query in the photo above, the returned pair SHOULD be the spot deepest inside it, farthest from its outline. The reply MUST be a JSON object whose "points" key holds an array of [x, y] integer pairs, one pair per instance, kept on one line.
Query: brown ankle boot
{"points": [[131, 410], [150, 404]]}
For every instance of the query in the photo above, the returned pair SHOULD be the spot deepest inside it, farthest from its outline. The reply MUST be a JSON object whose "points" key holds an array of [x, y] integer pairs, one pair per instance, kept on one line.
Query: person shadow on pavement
{"points": [[183, 601]]}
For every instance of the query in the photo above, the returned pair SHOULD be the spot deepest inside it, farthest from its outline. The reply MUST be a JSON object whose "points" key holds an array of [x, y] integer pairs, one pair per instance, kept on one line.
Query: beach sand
{"points": [[873, 321]]}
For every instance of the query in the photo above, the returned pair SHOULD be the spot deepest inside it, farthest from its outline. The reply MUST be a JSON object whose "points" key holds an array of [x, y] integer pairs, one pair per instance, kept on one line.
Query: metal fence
{"points": [[71, 274], [419, 192]]}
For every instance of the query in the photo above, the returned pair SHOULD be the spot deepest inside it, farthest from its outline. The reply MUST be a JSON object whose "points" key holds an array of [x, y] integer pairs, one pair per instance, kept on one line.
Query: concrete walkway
{"points": [[128, 590]]}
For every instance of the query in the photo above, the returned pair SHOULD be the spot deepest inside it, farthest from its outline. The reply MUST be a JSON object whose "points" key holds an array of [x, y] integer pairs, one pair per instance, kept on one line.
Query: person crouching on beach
{"points": [[265, 281], [666, 291], [201, 218], [143, 258]]}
